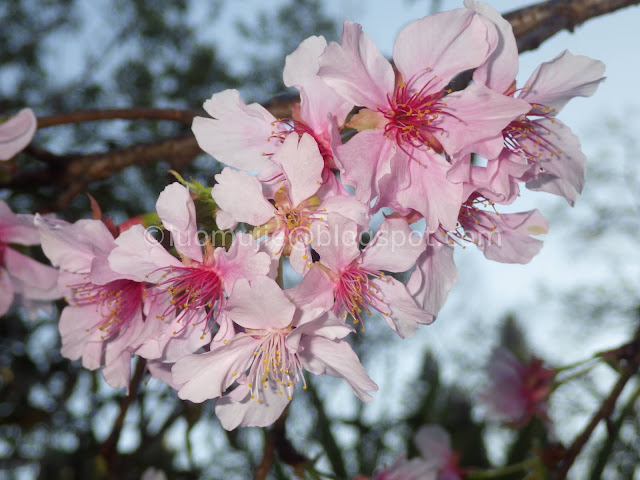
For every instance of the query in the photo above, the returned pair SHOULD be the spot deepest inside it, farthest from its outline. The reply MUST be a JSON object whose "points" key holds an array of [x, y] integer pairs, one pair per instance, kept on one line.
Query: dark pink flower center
{"points": [[194, 290], [116, 302], [356, 294], [415, 116], [274, 363], [527, 137], [2, 248]]}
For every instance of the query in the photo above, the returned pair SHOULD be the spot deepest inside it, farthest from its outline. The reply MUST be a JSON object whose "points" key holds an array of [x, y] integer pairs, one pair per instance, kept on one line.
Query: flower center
{"points": [[526, 136], [475, 225], [414, 116], [290, 125], [274, 363], [295, 220], [194, 290], [116, 302], [356, 293]]}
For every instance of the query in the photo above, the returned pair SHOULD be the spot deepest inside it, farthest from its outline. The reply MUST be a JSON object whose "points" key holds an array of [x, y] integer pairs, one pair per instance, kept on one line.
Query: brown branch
{"points": [[632, 361], [534, 24], [108, 448], [182, 116]]}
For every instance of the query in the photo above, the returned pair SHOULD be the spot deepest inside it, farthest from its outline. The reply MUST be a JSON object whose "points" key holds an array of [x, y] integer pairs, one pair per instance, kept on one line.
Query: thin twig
{"points": [[604, 412], [108, 448]]}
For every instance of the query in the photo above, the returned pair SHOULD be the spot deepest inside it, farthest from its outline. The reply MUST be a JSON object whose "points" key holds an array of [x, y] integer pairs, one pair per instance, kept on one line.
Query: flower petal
{"points": [[562, 171], [442, 45], [556, 82], [6, 292], [208, 375], [240, 195], [260, 304], [302, 165], [500, 70], [177, 211], [434, 276], [403, 315], [16, 133], [356, 69], [234, 410], [395, 247], [337, 243], [318, 100], [240, 133], [335, 358]]}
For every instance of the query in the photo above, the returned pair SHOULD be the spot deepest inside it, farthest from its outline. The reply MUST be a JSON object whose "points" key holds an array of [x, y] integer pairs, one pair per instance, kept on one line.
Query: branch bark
{"points": [[534, 24]]}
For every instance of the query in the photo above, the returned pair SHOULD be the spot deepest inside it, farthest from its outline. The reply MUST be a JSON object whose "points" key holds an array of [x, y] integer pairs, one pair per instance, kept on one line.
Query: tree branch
{"points": [[630, 368], [534, 24], [175, 115]]}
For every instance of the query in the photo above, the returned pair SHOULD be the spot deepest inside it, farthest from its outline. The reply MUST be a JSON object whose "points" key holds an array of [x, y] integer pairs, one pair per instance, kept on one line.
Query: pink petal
{"points": [[76, 328], [118, 372], [248, 412], [240, 133], [243, 260], [395, 247], [500, 70], [432, 195], [556, 82], [138, 256], [403, 315], [6, 292], [563, 173], [434, 444], [313, 295], [178, 214], [327, 326], [260, 304], [240, 194], [302, 165], [17, 228], [72, 246], [511, 241], [32, 279], [442, 45], [365, 159], [318, 100], [335, 358], [16, 133], [349, 207], [208, 375], [481, 114], [338, 243], [434, 276], [356, 69]]}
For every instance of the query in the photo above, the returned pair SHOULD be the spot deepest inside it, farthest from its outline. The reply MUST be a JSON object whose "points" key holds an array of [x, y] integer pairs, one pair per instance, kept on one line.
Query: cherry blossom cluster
{"points": [[349, 209]]}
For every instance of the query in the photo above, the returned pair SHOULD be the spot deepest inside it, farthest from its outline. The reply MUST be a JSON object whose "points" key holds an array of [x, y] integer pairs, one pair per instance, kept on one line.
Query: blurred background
{"points": [[580, 295]]}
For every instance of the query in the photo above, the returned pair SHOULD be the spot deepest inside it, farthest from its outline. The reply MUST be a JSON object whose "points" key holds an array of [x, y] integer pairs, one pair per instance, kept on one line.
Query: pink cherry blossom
{"points": [[517, 391], [197, 285], [538, 139], [33, 283], [434, 444], [267, 359], [103, 323], [354, 283], [296, 204], [16, 133], [410, 121], [245, 137]]}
